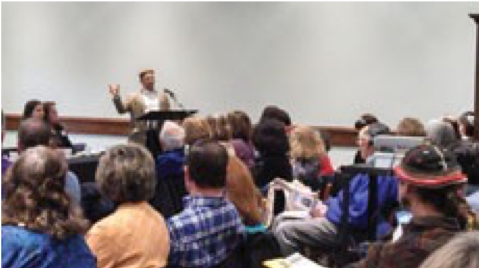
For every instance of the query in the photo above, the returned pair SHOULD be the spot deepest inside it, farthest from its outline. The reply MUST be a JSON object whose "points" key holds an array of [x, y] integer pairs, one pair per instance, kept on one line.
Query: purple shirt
{"points": [[244, 151], [5, 165]]}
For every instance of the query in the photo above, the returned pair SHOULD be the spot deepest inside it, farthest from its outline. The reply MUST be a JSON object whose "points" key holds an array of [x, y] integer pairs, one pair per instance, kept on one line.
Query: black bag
{"points": [[258, 248]]}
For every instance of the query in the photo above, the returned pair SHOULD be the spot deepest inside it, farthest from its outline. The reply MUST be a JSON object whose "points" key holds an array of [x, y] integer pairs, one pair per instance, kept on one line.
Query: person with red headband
{"points": [[430, 184]]}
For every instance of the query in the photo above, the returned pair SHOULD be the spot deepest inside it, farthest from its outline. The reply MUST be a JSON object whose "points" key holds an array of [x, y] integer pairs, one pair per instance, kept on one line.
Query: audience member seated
{"points": [[467, 152], [409, 126], [260, 244], [430, 181], [40, 227], [308, 156], [221, 131], [170, 186], [272, 144], [241, 129], [196, 129], [209, 229], [33, 132], [366, 140], [35, 109], [242, 192], [274, 112], [460, 252], [6, 163], [466, 125], [364, 120], [135, 235], [319, 232], [441, 133], [95, 205], [220, 128], [59, 135]]}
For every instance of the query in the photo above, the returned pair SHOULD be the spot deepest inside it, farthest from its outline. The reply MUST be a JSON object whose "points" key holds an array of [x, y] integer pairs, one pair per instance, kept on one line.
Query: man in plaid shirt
{"points": [[208, 230]]}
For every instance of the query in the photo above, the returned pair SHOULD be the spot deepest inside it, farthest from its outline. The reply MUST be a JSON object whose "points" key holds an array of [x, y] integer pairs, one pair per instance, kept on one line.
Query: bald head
{"points": [[33, 132]]}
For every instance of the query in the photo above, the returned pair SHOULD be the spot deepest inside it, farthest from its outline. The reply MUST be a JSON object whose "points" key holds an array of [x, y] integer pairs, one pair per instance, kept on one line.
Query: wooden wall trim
{"points": [[82, 125], [340, 136]]}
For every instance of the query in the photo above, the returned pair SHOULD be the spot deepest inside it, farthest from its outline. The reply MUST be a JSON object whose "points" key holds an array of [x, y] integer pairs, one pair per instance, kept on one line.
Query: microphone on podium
{"points": [[169, 92], [173, 96]]}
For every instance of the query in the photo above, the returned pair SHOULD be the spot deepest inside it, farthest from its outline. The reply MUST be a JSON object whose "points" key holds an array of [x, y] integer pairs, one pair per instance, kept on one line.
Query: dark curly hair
{"points": [[269, 138], [36, 197]]}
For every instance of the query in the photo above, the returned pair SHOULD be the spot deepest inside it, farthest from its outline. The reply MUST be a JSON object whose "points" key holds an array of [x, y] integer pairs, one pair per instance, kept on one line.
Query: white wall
{"points": [[326, 63]]}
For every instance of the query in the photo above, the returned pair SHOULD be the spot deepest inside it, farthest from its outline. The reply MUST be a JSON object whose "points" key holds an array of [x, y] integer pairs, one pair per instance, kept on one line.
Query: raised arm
{"points": [[119, 105]]}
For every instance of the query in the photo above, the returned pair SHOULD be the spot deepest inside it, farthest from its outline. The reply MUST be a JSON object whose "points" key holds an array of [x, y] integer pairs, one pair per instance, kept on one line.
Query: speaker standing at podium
{"points": [[138, 103]]}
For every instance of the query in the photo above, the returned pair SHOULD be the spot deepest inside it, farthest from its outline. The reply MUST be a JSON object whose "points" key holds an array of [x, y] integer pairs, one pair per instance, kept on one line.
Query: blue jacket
{"points": [[25, 248], [358, 202], [170, 164]]}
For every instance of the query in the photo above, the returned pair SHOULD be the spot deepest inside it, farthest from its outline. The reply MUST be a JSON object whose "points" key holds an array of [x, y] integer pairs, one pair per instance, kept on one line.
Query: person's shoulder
{"points": [[133, 96], [230, 209], [106, 226], [154, 216], [19, 238], [178, 219]]}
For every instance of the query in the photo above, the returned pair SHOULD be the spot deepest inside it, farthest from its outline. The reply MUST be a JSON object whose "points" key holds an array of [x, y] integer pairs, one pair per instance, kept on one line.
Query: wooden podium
{"points": [[155, 119]]}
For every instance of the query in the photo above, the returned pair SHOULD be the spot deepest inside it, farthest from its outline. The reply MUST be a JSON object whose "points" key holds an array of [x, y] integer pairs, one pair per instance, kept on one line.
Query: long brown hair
{"points": [[242, 191], [36, 197]]}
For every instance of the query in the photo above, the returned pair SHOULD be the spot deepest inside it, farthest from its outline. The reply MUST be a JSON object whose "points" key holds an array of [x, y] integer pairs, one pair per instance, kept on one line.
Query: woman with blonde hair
{"points": [[308, 155], [220, 127], [196, 129]]}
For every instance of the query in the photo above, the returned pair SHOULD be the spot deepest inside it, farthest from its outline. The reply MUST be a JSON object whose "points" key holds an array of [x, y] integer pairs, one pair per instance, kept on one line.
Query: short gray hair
{"points": [[172, 136], [126, 173], [441, 133]]}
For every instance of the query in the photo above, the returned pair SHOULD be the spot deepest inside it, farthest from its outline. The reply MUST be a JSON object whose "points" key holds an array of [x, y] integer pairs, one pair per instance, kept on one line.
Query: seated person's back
{"points": [[41, 227], [134, 235], [208, 230], [430, 186]]}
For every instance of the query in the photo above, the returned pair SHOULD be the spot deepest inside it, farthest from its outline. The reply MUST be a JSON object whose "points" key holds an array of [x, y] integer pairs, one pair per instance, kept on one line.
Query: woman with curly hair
{"points": [[41, 227]]}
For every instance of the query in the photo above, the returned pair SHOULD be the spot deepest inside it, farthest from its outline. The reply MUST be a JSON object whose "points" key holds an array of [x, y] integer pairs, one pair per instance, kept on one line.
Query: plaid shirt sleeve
{"points": [[204, 237]]}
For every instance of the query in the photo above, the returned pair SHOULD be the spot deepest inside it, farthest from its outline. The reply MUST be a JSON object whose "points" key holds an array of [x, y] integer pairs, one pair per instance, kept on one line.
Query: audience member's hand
{"points": [[319, 210], [114, 89]]}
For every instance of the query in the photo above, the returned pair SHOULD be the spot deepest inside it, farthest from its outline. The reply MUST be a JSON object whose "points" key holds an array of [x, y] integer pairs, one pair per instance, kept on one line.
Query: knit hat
{"points": [[430, 166]]}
